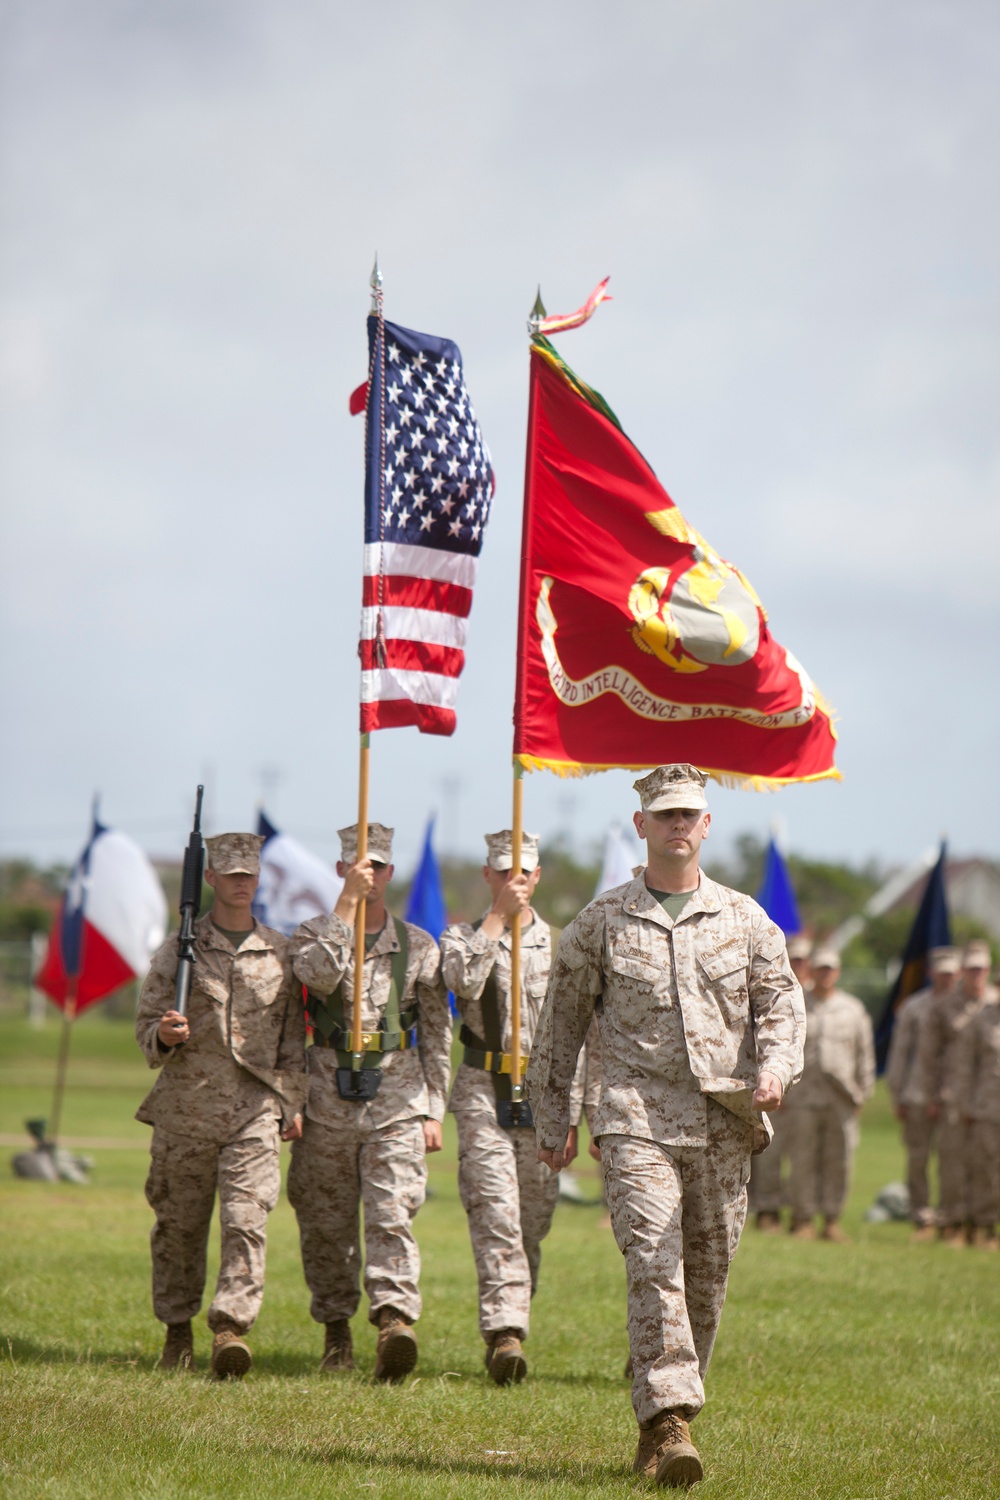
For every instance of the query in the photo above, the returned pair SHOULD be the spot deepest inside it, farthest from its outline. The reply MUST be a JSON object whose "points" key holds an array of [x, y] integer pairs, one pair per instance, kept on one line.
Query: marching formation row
{"points": [[943, 1074], [668, 1011]]}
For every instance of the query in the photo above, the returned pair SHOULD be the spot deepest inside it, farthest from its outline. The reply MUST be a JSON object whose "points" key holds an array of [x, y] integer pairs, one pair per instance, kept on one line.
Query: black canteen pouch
{"points": [[514, 1114], [360, 1085]]}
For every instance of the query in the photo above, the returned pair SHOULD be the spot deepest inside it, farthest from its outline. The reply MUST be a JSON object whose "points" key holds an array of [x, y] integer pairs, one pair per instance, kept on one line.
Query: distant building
{"points": [[973, 891]]}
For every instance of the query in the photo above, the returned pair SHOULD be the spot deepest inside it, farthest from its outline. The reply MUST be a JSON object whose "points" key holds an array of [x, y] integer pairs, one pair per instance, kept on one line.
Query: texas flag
{"points": [[111, 921]]}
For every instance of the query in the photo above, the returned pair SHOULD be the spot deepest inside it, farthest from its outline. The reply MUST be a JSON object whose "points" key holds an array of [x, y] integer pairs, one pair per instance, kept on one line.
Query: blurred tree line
{"points": [[828, 892]]}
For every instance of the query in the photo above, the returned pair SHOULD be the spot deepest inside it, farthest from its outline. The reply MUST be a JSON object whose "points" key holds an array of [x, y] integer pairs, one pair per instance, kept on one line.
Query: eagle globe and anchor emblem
{"points": [[708, 616]]}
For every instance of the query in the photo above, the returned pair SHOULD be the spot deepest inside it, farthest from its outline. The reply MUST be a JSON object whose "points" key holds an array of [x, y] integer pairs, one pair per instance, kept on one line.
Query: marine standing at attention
{"points": [[902, 1076], [508, 1195], [702, 1024], [368, 1150], [824, 1107], [233, 1077]]}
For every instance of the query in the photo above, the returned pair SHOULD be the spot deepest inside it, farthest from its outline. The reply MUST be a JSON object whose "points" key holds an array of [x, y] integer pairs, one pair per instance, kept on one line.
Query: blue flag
{"points": [[425, 907], [776, 895], [931, 929]]}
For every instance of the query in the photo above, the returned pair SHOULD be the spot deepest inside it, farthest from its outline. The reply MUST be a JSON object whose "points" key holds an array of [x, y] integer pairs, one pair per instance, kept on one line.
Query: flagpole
{"points": [[517, 815], [378, 354], [69, 1016], [359, 919], [517, 832]]}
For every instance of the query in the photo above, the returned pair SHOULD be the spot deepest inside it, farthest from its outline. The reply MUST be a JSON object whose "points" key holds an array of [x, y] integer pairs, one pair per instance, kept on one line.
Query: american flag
{"points": [[428, 489]]}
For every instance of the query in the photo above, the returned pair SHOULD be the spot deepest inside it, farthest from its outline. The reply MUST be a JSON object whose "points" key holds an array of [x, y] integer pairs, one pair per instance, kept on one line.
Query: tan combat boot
{"points": [[178, 1347], [396, 1351], [924, 1234], [667, 1454], [505, 1361], [952, 1235], [338, 1350], [833, 1232], [802, 1230], [769, 1223], [984, 1239], [231, 1357]]}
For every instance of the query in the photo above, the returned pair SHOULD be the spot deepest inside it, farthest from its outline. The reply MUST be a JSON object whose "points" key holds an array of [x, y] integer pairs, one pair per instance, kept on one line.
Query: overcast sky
{"points": [[798, 207]]}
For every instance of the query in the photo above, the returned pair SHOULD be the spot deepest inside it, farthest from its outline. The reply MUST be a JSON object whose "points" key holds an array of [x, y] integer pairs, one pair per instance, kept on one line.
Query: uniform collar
{"points": [[210, 936], [638, 902], [387, 941]]}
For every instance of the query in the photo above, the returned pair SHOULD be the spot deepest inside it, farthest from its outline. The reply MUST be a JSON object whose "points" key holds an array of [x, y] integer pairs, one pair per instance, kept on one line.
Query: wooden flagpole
{"points": [[359, 917], [375, 282], [517, 831]]}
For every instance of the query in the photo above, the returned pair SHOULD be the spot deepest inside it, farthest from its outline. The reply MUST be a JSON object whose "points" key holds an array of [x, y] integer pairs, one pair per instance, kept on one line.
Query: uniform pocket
{"points": [[727, 964], [640, 969]]}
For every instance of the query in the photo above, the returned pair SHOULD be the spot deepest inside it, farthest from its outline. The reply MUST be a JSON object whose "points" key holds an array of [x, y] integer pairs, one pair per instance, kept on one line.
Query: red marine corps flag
{"points": [[638, 644]]}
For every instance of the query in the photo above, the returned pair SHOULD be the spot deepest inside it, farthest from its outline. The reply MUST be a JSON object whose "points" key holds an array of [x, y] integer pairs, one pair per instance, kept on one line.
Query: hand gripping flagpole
{"points": [[363, 765]]}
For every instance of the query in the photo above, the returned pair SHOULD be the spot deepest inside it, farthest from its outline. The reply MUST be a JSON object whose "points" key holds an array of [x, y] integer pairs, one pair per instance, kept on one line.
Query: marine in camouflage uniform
{"points": [[938, 1074], [770, 1169], [368, 1151], [701, 1024], [233, 1077], [838, 1075], [975, 1090], [507, 1193], [903, 1081]]}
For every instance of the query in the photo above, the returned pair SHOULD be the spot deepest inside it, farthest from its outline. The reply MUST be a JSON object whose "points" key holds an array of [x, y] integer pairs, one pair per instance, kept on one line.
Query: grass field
{"points": [[853, 1372]]}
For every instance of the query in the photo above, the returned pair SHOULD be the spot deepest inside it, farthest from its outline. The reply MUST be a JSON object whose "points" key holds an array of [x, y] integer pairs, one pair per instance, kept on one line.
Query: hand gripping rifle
{"points": [[194, 864]]}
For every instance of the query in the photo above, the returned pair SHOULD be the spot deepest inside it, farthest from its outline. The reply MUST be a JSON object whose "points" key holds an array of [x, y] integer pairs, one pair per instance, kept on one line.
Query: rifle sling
{"points": [[327, 1013]]}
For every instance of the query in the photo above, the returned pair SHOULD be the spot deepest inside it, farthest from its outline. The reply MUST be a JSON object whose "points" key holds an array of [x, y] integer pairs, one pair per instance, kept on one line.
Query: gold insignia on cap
{"points": [[679, 785]]}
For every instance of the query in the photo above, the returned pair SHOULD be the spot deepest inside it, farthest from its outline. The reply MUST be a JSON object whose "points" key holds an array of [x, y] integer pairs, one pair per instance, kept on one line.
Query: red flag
{"points": [[638, 645]]}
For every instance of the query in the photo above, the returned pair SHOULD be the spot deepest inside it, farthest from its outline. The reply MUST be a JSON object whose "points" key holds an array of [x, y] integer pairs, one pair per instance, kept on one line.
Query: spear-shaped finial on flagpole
{"points": [[375, 283], [537, 314]]}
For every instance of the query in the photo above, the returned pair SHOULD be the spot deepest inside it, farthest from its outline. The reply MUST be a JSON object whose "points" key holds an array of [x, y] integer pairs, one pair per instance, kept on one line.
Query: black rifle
{"points": [[194, 864]]}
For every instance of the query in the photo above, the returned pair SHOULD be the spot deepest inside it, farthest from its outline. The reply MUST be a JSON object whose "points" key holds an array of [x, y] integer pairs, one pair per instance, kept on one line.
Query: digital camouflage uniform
{"points": [[838, 1075], [938, 1076], [903, 1079], [217, 1109], [507, 1193], [977, 1086], [690, 1012], [368, 1152]]}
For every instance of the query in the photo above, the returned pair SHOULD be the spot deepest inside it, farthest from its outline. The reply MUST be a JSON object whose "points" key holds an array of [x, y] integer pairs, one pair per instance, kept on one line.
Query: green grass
{"points": [[856, 1372]]}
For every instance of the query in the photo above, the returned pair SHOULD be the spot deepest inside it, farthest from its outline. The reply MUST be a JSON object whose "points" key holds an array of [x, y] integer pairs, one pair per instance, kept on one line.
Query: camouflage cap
{"points": [[672, 786], [976, 955], [944, 960], [500, 850], [234, 853], [825, 957], [379, 843], [799, 946]]}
